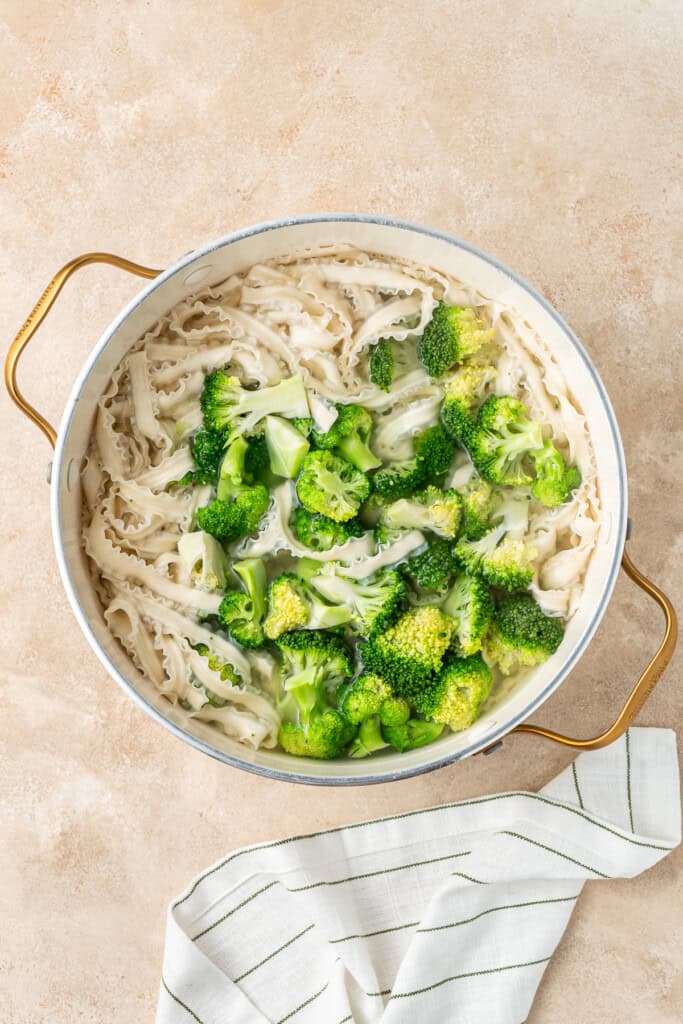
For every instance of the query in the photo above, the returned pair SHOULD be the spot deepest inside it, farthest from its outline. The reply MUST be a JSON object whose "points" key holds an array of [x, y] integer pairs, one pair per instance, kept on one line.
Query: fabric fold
{"points": [[449, 913]]}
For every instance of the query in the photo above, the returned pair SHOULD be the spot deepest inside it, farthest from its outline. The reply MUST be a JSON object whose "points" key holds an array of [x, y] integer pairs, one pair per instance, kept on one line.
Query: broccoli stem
{"points": [[368, 739], [288, 398], [358, 453], [286, 447], [252, 572], [231, 473]]}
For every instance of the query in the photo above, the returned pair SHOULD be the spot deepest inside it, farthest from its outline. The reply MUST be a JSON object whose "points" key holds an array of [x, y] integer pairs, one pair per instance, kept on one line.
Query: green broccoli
{"points": [[503, 561], [434, 453], [462, 392], [207, 451], [478, 502], [432, 509], [521, 635], [461, 687], [320, 533], [411, 651], [368, 696], [399, 480], [349, 436], [242, 613], [326, 736], [229, 407], [368, 739], [451, 336], [390, 359], [257, 460], [313, 665], [229, 520], [332, 486], [306, 568], [293, 605], [412, 734], [205, 560], [554, 481], [375, 603], [231, 476], [469, 604], [502, 441], [433, 568], [304, 424], [429, 465], [286, 446], [381, 363]]}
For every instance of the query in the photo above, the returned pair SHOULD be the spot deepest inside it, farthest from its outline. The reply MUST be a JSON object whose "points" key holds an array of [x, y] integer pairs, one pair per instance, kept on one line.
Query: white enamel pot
{"points": [[235, 252]]}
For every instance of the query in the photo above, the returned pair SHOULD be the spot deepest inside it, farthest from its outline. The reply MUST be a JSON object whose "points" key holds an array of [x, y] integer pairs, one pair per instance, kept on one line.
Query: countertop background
{"points": [[546, 132]]}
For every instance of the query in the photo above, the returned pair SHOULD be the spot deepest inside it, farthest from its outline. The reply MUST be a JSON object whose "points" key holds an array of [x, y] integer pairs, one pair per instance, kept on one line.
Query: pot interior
{"points": [[235, 253]]}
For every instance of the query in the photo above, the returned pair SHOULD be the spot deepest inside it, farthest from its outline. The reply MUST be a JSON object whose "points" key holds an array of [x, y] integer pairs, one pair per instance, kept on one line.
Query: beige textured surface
{"points": [[545, 132]]}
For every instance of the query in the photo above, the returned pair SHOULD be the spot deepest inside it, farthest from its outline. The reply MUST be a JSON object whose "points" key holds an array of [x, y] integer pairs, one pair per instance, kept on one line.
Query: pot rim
{"points": [[274, 773]]}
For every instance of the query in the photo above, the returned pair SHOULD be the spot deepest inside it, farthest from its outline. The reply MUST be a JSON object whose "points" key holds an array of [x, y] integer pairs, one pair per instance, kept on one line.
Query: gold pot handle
{"points": [[38, 314], [645, 685]]}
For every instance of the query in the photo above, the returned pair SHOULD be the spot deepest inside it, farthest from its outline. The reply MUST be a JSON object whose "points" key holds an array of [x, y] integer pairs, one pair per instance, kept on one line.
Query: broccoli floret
{"points": [[384, 535], [304, 424], [462, 392], [381, 363], [521, 635], [257, 460], [502, 441], [232, 473], [228, 520], [554, 481], [399, 480], [320, 533], [389, 359], [469, 604], [375, 603], [411, 651], [433, 568], [434, 452], [368, 739], [313, 665], [332, 486], [293, 605], [349, 435], [369, 695], [431, 509], [312, 657], [412, 734], [477, 499], [241, 613], [286, 446], [326, 736], [451, 336], [229, 407], [462, 686], [208, 449], [501, 560], [205, 560], [429, 465]]}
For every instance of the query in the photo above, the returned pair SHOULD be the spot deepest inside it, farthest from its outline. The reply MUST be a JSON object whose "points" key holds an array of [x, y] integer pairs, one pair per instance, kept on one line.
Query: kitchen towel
{"points": [[449, 914]]}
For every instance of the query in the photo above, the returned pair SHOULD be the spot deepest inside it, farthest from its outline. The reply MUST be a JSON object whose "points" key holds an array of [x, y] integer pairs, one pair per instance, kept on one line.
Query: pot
{"points": [[213, 263]]}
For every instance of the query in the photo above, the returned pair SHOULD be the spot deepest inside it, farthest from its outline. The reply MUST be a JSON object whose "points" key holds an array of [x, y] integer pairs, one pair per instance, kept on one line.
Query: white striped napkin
{"points": [[447, 914]]}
